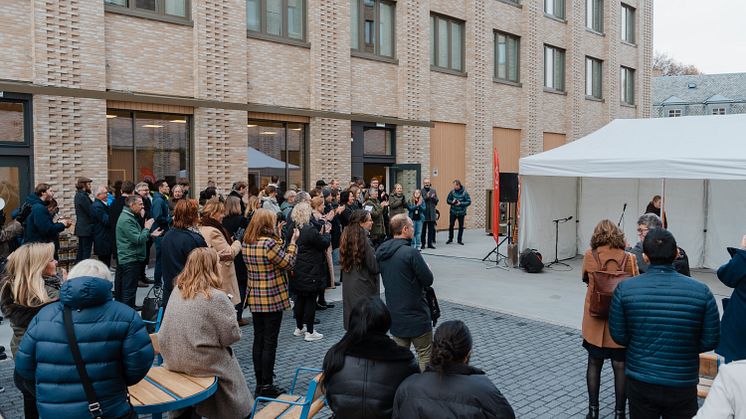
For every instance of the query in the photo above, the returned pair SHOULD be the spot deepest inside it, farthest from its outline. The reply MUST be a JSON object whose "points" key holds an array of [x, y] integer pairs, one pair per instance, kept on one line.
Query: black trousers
{"points": [[242, 286], [28, 389], [125, 282], [305, 311], [452, 222], [85, 244], [105, 259], [266, 331], [428, 233], [650, 401]]}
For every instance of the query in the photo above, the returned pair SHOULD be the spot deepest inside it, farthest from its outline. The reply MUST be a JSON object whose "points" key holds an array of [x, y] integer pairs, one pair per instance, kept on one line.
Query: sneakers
{"points": [[313, 337], [300, 332]]}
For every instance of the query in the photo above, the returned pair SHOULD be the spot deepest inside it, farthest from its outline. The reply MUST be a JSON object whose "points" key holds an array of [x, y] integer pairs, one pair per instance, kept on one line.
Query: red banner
{"points": [[496, 196]]}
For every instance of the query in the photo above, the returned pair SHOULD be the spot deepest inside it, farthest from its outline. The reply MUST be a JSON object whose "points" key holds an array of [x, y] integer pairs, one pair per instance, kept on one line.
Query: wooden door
{"points": [[447, 162], [508, 144]]}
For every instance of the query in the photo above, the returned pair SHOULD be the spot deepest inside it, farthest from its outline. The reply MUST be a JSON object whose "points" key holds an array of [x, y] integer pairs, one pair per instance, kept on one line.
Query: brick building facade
{"points": [[103, 86]]}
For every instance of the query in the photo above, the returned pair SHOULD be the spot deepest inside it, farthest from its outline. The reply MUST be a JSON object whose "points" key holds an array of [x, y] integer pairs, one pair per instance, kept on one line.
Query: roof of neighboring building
{"points": [[708, 88]]}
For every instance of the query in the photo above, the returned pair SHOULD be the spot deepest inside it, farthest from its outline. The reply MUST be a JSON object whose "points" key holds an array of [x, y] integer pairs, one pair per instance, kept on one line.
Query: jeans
{"points": [[305, 311], [452, 222], [125, 282], [28, 389], [650, 401], [158, 272], [416, 242], [428, 233], [85, 244], [423, 345], [335, 256], [266, 331]]}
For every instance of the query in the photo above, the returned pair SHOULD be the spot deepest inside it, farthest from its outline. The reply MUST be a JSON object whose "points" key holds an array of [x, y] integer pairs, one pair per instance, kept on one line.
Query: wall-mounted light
{"points": [[178, 121], [268, 133], [251, 125], [152, 126], [110, 116]]}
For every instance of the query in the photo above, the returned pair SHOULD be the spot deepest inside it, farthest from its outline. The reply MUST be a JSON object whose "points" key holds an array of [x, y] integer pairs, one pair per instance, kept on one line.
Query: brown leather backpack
{"points": [[603, 283]]}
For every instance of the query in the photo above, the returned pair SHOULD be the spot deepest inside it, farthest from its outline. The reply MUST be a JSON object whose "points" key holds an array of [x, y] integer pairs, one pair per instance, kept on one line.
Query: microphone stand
{"points": [[556, 260], [624, 209]]}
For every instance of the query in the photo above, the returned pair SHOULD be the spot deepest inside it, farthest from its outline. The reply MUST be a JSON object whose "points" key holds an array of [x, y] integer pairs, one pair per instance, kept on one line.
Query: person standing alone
{"points": [[459, 200], [430, 195]]}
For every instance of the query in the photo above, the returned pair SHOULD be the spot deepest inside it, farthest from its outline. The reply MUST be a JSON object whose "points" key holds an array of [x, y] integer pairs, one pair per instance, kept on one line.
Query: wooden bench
{"points": [[708, 368], [293, 406]]}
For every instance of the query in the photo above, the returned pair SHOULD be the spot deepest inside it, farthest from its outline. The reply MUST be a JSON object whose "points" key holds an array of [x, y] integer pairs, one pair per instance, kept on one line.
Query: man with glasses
{"points": [[648, 222], [428, 226]]}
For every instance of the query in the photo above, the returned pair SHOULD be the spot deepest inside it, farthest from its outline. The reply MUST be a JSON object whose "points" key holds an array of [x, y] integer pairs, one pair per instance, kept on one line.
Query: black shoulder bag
{"points": [[93, 406]]}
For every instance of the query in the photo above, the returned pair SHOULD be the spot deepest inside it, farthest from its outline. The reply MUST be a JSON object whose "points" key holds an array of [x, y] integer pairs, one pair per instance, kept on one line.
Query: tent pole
{"points": [[706, 212], [663, 200]]}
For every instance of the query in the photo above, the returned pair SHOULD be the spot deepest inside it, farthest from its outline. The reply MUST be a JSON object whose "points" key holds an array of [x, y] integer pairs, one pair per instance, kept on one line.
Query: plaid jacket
{"points": [[268, 264]]}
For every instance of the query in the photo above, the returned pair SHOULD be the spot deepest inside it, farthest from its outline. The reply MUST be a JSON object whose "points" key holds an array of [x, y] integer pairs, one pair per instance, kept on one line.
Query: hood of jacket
{"points": [[85, 291], [33, 199], [388, 248]]}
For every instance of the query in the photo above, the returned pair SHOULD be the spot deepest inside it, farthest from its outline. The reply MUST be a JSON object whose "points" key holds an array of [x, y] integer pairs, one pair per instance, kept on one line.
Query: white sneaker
{"points": [[312, 337], [299, 332]]}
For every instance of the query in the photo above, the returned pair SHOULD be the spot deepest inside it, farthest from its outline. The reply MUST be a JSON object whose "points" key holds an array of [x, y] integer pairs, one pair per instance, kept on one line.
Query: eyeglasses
{"points": [[642, 230]]}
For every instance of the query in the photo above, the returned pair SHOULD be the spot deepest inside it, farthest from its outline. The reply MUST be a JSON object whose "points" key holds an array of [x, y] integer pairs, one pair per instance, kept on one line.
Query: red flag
{"points": [[496, 196]]}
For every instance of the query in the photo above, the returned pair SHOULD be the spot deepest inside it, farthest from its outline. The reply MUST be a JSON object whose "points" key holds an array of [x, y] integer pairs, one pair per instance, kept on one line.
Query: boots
{"points": [[592, 412], [619, 414]]}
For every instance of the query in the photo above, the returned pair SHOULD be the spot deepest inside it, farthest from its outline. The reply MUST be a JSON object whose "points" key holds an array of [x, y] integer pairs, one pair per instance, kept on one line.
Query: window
{"points": [[147, 146], [378, 141], [169, 8], [594, 15], [554, 68], [447, 43], [507, 57], [555, 8], [372, 27], [277, 149], [277, 18], [628, 23], [673, 113], [16, 150], [718, 111], [628, 86], [593, 77]]}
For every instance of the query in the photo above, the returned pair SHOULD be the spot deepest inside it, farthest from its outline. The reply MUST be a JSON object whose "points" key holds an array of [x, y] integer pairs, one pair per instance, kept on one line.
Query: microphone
{"points": [[562, 220], [569, 218], [625, 207]]}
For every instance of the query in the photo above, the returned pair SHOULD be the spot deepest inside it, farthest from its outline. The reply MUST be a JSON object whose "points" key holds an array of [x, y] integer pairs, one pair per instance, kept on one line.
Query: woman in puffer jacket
{"points": [[450, 387], [114, 345], [364, 369]]}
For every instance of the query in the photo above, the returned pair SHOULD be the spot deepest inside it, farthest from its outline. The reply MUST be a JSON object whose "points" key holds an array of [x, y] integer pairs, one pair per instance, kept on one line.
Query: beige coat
{"points": [[227, 271], [596, 330], [202, 349]]}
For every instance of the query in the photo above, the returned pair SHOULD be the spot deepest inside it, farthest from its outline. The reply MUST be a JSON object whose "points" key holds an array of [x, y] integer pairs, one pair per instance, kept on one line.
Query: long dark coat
{"points": [[360, 282], [103, 235]]}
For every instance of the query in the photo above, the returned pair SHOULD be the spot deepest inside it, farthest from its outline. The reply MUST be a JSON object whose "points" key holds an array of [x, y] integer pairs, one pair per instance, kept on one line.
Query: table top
{"points": [[163, 390]]}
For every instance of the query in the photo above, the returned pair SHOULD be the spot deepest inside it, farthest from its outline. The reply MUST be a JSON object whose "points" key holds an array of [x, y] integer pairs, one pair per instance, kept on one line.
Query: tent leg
{"points": [[706, 212]]}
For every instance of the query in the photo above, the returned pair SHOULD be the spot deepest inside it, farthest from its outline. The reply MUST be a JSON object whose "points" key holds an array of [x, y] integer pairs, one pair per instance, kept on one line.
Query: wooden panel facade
{"points": [[447, 162], [553, 140], [508, 144]]}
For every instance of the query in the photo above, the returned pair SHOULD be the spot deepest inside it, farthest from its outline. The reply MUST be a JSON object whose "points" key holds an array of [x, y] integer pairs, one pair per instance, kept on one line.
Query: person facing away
{"points": [[363, 370], [665, 320], [727, 396], [405, 277], [733, 325], [114, 346], [359, 267], [606, 254], [450, 387], [236, 224], [84, 219], [102, 233], [217, 237], [178, 242], [459, 200], [205, 349]]}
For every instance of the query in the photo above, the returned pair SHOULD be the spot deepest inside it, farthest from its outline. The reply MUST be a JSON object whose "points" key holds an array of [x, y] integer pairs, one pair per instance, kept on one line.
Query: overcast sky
{"points": [[711, 34]]}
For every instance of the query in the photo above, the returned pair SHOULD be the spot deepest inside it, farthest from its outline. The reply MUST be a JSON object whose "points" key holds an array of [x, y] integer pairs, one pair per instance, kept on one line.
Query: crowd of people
{"points": [[272, 251]]}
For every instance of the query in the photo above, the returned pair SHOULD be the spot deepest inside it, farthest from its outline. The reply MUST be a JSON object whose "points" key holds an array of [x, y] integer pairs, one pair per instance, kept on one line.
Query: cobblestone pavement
{"points": [[539, 367]]}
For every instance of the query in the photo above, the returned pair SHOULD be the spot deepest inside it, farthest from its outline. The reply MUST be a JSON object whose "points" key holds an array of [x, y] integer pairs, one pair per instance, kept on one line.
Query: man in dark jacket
{"points": [[83, 218], [665, 320], [405, 276], [102, 233], [39, 226], [113, 342], [162, 216], [115, 210], [459, 200], [428, 226], [131, 241]]}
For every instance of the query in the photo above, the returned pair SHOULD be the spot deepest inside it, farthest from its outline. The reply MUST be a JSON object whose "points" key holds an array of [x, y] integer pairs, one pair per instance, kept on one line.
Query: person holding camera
{"points": [[39, 226], [459, 200]]}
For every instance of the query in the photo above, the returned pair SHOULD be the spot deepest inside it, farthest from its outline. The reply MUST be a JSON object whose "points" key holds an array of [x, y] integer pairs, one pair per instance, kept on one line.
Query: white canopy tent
{"points": [[259, 160], [700, 162]]}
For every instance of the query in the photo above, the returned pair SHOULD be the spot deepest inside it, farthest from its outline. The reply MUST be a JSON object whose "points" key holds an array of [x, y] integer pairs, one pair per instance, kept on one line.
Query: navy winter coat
{"points": [[733, 328], [103, 235], [39, 226], [160, 212], [665, 320], [113, 343], [84, 219]]}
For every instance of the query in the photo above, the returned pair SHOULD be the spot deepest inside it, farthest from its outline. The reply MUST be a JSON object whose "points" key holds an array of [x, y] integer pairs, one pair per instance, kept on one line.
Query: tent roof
{"points": [[690, 147], [259, 160]]}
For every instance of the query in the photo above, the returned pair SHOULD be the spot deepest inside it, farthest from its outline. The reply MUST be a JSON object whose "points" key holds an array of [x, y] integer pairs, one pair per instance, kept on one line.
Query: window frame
{"points": [[357, 51], [717, 111], [555, 50], [627, 74], [158, 14], [594, 15], [674, 113], [495, 75], [628, 21], [553, 13], [262, 33], [592, 94], [436, 43], [304, 152]]}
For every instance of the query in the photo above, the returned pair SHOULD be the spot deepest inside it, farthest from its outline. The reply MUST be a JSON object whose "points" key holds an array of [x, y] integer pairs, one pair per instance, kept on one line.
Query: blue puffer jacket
{"points": [[665, 320], [733, 331], [113, 343]]}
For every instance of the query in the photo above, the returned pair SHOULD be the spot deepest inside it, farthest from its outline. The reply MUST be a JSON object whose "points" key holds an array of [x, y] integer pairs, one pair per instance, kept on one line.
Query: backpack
{"points": [[531, 261], [23, 212], [603, 283]]}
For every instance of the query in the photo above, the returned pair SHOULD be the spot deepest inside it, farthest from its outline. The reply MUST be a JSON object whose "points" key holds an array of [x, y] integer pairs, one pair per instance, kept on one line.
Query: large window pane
{"points": [[377, 141], [162, 146], [295, 19], [11, 122], [386, 30], [145, 4], [117, 2], [253, 13], [296, 134], [432, 40], [276, 149], [442, 42], [354, 24], [456, 44], [176, 8], [274, 17], [121, 153], [501, 52], [513, 58]]}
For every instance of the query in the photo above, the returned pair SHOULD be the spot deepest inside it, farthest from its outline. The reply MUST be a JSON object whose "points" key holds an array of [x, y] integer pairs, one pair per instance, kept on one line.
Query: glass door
{"points": [[407, 175], [15, 178]]}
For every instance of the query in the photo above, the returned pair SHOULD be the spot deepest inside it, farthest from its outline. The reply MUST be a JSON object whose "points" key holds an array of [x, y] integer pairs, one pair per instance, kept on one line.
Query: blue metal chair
{"points": [[157, 321], [309, 405]]}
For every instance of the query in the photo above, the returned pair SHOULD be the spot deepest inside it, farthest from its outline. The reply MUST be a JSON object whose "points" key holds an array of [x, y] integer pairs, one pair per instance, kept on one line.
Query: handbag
{"points": [[432, 303], [150, 306], [94, 408]]}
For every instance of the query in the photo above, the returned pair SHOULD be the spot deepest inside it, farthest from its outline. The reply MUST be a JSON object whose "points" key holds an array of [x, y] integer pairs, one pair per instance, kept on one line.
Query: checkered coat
{"points": [[268, 264]]}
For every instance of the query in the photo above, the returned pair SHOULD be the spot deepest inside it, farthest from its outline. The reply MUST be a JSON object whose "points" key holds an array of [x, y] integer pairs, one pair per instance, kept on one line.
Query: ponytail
{"points": [[451, 345]]}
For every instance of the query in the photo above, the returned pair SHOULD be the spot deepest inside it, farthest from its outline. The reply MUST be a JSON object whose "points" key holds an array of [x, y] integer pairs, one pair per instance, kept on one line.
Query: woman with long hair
{"points": [[363, 370], [236, 224], [376, 210], [199, 301], [268, 263], [450, 387], [217, 237], [417, 209], [606, 253], [30, 283], [254, 204], [178, 242], [358, 265], [311, 270]]}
